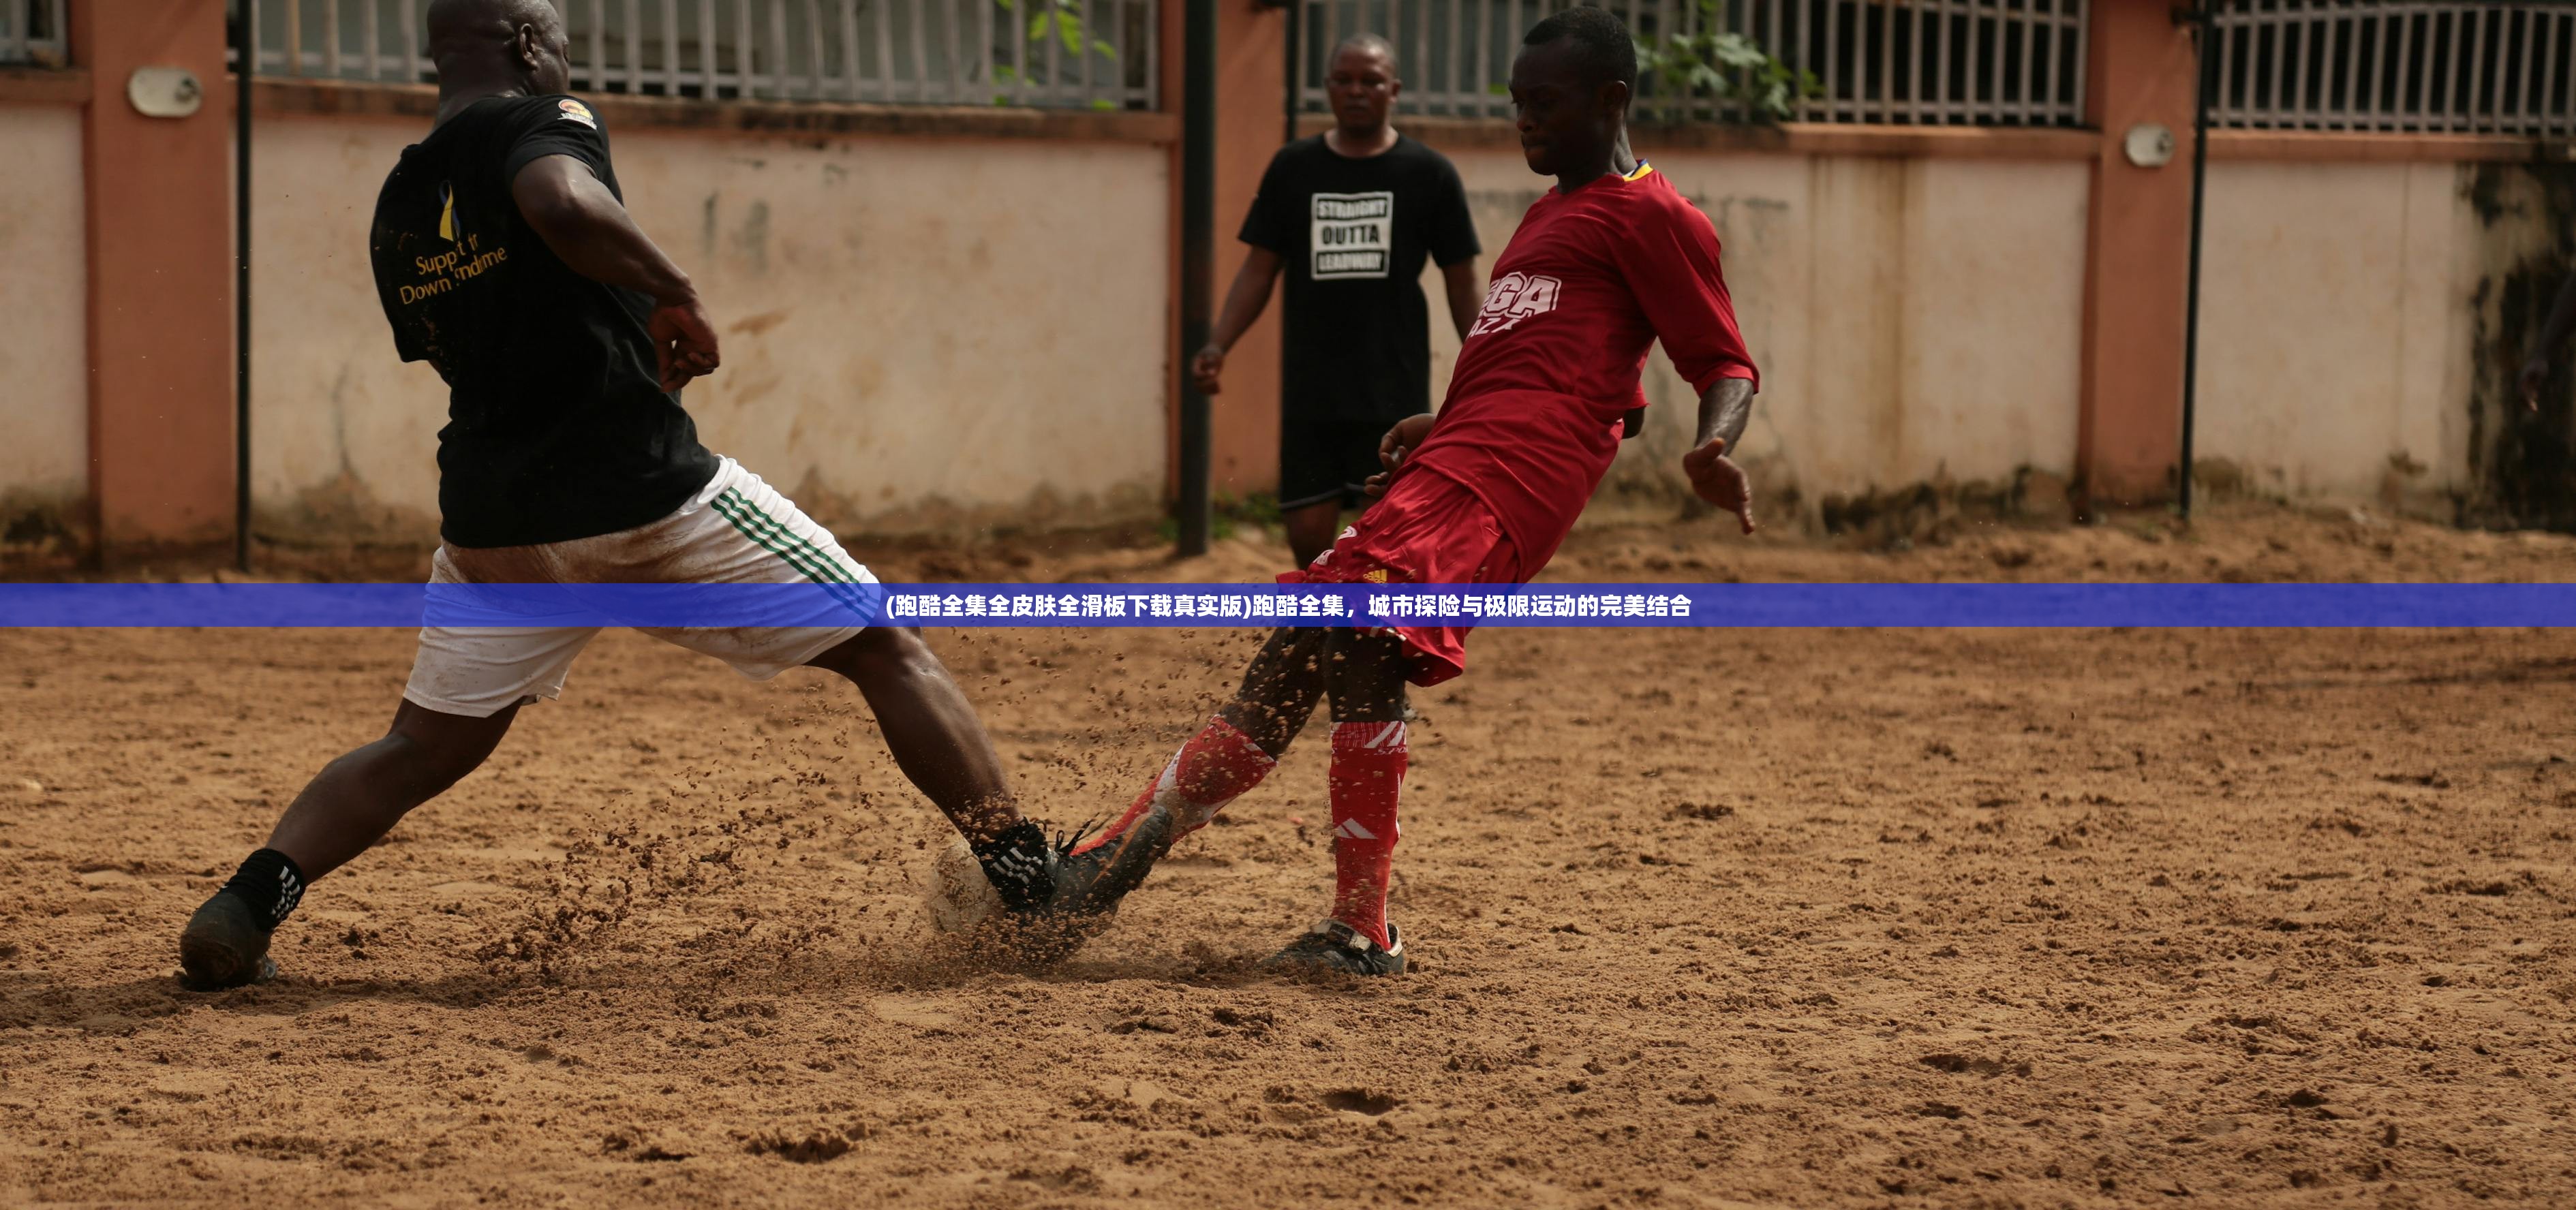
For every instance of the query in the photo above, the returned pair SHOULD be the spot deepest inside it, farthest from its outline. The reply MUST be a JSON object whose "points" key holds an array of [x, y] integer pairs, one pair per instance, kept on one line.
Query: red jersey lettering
{"points": [[1589, 283]]}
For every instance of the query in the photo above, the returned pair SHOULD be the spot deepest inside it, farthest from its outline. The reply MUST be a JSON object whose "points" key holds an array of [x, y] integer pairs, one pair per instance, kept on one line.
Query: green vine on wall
{"points": [[1061, 20], [1729, 68]]}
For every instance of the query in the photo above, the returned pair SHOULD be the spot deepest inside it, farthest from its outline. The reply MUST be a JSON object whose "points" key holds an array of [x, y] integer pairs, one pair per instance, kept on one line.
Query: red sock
{"points": [[1368, 774], [1213, 769]]}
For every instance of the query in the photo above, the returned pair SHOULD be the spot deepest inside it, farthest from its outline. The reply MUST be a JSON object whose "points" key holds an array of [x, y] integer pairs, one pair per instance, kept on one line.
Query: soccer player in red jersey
{"points": [[1483, 491]]}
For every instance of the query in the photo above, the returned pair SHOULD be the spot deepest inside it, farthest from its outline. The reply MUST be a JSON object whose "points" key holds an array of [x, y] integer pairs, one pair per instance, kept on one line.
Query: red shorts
{"points": [[1427, 529]]}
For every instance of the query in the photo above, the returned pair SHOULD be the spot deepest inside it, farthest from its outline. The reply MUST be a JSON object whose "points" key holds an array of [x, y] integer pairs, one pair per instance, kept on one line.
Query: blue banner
{"points": [[1099, 605]]}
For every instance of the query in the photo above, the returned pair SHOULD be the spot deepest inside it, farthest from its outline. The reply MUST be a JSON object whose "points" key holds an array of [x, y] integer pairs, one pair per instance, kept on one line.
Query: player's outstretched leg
{"points": [[1365, 674], [941, 745], [1239, 746], [349, 805]]}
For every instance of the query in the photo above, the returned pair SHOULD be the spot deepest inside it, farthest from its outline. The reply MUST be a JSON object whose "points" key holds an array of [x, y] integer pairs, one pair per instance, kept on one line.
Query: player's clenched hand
{"points": [[1399, 441], [1207, 367], [1717, 479], [2535, 374], [684, 342]]}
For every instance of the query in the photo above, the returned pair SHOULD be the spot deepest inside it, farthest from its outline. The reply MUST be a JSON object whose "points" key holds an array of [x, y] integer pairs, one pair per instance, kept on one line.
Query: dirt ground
{"points": [[1700, 918]]}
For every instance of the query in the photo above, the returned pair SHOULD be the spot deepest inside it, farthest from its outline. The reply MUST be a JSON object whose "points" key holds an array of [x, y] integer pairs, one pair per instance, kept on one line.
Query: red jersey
{"points": [[1590, 281]]}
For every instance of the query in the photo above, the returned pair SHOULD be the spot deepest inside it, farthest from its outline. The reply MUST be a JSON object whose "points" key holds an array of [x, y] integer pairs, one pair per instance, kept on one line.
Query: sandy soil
{"points": [[1823, 918]]}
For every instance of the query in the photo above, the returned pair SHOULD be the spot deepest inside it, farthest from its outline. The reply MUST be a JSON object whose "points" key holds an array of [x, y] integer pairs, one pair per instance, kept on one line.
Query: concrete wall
{"points": [[2341, 311], [44, 409], [918, 332], [1916, 320]]}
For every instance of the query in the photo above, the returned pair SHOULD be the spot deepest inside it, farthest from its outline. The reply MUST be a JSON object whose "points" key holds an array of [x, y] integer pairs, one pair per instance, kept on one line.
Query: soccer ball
{"points": [[956, 895]]}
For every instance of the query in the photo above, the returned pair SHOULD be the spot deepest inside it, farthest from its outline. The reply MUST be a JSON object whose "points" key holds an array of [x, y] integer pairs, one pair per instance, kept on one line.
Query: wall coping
{"points": [[44, 86], [329, 98], [1793, 138], [2001, 142], [2309, 146]]}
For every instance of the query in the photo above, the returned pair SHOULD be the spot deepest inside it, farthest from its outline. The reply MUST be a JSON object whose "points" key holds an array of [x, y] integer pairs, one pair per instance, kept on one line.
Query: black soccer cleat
{"points": [[224, 946], [1083, 890], [1090, 884], [1334, 946]]}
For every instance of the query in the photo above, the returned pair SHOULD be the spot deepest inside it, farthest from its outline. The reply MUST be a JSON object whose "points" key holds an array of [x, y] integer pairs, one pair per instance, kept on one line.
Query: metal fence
{"points": [[2344, 65], [1917, 63], [1097, 54], [31, 32]]}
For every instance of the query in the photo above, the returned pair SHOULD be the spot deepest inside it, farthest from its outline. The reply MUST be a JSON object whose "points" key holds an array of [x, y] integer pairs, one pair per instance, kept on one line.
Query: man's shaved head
{"points": [[496, 45], [1367, 43]]}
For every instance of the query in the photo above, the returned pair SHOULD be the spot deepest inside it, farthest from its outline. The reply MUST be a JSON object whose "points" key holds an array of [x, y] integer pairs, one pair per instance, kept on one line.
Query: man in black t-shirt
{"points": [[505, 258], [1349, 214]]}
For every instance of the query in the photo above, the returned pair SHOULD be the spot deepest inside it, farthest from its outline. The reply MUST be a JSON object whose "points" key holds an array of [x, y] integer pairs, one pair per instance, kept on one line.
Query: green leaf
{"points": [[1103, 49], [1103, 103]]}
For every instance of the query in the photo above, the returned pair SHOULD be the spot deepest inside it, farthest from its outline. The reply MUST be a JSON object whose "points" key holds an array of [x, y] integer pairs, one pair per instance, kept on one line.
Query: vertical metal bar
{"points": [[410, 39], [952, 38], [2549, 75], [1018, 45], [707, 65], [2376, 103], [984, 33], [2402, 103], [1082, 53], [745, 57], [2296, 29], [814, 49], [921, 51], [2351, 103], [885, 46], [630, 70], [2056, 55], [1884, 96], [2439, 31], [2329, 39], [1484, 51], [1054, 43], [1457, 48], [1394, 37], [294, 37], [2030, 60], [598, 78], [1969, 112], [2474, 50], [1831, 77], [1801, 106], [1941, 70], [1914, 67], [780, 61], [2074, 108], [2524, 114], [331, 38], [1422, 41], [2280, 65], [374, 38], [670, 48], [1152, 29]]}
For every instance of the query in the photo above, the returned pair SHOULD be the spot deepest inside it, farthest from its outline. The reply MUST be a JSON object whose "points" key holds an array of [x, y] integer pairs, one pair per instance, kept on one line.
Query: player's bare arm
{"points": [[1723, 412], [1243, 304], [585, 225], [2553, 336], [1466, 294]]}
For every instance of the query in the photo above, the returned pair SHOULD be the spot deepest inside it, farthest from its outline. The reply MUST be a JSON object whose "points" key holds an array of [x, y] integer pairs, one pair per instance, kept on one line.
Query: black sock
{"points": [[1015, 862], [270, 883]]}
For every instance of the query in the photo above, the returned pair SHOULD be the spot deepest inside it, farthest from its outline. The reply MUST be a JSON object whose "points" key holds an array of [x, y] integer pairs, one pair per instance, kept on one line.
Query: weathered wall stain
{"points": [[2522, 464]]}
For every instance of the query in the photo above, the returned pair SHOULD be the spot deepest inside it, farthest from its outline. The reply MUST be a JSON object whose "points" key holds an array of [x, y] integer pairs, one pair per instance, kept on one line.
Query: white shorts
{"points": [[736, 530]]}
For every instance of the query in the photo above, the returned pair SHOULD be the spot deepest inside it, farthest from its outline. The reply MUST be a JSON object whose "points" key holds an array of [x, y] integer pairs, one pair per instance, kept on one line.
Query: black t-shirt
{"points": [[557, 425], [1353, 233]]}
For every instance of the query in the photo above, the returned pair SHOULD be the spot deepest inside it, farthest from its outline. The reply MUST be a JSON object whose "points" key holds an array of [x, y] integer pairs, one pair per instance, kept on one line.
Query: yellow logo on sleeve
{"points": [[575, 111], [447, 211]]}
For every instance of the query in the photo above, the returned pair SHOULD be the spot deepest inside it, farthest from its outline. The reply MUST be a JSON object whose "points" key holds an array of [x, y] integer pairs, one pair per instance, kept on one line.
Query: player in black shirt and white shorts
{"points": [[1349, 215], [505, 258]]}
